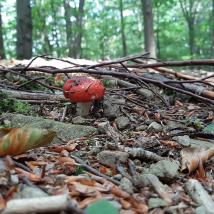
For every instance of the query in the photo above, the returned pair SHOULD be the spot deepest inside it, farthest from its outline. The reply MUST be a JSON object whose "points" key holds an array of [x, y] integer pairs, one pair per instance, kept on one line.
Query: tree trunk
{"points": [[2, 53], [122, 24], [79, 23], [24, 29], [191, 29], [74, 39], [149, 39], [68, 26]]}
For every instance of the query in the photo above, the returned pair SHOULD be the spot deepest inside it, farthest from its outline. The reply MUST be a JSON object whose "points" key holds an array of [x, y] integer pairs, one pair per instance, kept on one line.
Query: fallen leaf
{"points": [[15, 141], [2, 202], [32, 177], [191, 157], [170, 143]]}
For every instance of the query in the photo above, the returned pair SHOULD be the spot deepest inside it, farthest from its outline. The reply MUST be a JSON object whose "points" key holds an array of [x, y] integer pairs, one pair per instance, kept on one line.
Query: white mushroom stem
{"points": [[83, 109]]}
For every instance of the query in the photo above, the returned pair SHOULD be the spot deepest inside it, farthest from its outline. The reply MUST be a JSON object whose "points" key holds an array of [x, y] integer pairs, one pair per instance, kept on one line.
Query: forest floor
{"points": [[140, 150]]}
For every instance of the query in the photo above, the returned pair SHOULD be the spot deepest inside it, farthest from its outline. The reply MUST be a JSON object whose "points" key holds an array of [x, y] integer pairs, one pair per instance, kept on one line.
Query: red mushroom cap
{"points": [[82, 89]]}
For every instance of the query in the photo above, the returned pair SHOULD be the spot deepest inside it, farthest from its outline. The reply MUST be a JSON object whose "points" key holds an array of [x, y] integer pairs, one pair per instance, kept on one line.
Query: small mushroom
{"points": [[83, 91]]}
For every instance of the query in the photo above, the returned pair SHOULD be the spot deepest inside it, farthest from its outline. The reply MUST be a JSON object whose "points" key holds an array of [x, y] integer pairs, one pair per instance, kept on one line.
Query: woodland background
{"points": [[103, 29]]}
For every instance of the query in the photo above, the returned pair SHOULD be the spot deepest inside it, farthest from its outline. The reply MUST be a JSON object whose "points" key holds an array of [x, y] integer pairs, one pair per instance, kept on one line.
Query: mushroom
{"points": [[83, 91]]}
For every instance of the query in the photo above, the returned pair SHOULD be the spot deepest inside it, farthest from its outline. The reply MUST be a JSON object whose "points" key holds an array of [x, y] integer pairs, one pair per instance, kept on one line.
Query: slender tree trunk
{"points": [[191, 29], [149, 39], [2, 52], [122, 24], [157, 34], [54, 30], [24, 29], [79, 23], [68, 26]]}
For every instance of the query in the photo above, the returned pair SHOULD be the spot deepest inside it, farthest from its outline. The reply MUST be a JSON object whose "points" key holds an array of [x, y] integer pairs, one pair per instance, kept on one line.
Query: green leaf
{"points": [[102, 207], [209, 129]]}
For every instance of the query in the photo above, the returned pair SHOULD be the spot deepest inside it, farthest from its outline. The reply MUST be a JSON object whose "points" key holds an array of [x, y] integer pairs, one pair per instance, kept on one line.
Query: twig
{"points": [[93, 171]]}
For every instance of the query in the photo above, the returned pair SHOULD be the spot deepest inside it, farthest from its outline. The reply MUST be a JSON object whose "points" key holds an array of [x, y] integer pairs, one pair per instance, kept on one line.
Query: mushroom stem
{"points": [[83, 109]]}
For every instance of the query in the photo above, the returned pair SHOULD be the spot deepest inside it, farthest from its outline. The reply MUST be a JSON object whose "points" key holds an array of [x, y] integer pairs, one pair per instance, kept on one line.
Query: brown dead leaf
{"points": [[32, 177], [119, 193], [170, 143], [191, 157], [67, 161], [178, 104], [125, 204], [2, 202], [84, 203]]}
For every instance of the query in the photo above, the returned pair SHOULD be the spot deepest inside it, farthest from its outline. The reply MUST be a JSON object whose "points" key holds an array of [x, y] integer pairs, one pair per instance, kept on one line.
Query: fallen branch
{"points": [[41, 205], [33, 96]]}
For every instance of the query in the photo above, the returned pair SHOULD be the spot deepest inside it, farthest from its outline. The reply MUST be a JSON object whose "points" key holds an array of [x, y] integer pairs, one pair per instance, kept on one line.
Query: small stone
{"points": [[14, 179], [166, 170], [30, 192], [141, 128], [118, 177], [183, 140], [154, 126], [126, 185], [116, 204], [103, 126], [122, 122], [111, 158], [78, 120], [111, 107], [156, 202]]}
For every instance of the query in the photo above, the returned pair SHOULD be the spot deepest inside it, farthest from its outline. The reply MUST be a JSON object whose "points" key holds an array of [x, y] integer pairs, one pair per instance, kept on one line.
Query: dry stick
{"points": [[118, 74], [159, 188], [124, 59], [141, 153], [42, 205], [181, 75], [206, 62], [93, 171], [34, 96]]}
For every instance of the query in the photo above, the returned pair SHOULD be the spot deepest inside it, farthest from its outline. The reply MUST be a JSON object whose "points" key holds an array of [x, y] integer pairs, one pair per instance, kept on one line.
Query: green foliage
{"points": [[79, 170], [101, 34], [9, 104], [195, 122], [102, 207]]}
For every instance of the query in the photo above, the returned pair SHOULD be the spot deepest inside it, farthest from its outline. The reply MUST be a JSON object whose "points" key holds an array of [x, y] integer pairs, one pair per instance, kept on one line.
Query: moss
{"points": [[9, 104]]}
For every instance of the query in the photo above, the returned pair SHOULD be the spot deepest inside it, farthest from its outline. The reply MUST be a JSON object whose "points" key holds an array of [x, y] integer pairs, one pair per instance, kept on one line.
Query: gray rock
{"points": [[63, 130], [122, 122], [141, 128], [14, 179], [183, 140], [116, 204], [156, 202], [78, 120], [201, 210], [154, 126], [141, 180], [118, 177], [30, 192], [165, 170], [110, 158], [174, 125], [103, 126], [111, 107], [126, 185], [148, 94]]}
